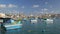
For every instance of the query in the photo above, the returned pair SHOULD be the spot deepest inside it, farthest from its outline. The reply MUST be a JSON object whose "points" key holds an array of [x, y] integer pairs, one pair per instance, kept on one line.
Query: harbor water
{"points": [[41, 27]]}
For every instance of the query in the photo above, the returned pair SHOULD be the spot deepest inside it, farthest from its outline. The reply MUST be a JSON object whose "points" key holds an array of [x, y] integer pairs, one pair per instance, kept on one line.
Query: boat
{"points": [[9, 23], [33, 20], [15, 26], [48, 21]]}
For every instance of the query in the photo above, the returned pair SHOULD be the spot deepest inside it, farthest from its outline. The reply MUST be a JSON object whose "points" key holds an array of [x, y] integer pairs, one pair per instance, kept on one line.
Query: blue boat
{"points": [[9, 23]]}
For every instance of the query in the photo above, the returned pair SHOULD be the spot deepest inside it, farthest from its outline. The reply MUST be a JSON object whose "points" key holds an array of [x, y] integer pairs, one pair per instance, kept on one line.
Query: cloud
{"points": [[45, 9], [7, 6], [2, 5], [52, 11], [12, 5], [46, 2], [15, 11], [35, 6]]}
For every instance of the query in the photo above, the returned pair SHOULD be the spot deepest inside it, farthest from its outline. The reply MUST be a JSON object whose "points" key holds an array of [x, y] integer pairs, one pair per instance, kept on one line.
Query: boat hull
{"points": [[16, 26]]}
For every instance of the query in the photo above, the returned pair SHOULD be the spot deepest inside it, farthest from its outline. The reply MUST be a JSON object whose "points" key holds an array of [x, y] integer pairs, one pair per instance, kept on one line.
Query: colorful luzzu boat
{"points": [[9, 23]]}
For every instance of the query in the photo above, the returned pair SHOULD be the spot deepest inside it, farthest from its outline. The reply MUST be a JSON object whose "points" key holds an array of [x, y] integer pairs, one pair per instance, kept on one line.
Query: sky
{"points": [[30, 6]]}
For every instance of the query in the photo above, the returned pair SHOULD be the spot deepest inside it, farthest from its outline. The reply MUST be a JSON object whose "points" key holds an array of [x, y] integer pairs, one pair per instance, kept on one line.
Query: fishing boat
{"points": [[9, 23], [15, 26]]}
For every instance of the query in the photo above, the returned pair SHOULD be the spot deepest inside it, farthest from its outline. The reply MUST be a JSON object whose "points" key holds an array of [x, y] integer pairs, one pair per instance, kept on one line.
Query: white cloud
{"points": [[7, 6], [2, 5], [52, 11], [35, 6], [46, 2], [45, 9], [12, 5]]}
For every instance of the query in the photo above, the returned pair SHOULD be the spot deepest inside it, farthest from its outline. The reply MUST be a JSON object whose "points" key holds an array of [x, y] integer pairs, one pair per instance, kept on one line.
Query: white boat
{"points": [[9, 23], [15, 26], [34, 20], [48, 21]]}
